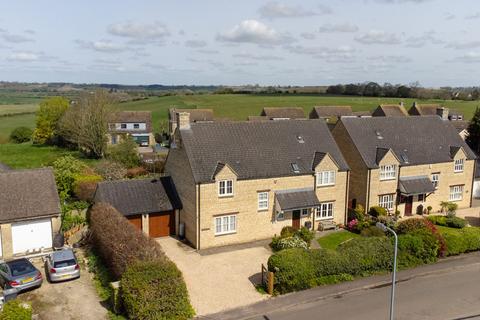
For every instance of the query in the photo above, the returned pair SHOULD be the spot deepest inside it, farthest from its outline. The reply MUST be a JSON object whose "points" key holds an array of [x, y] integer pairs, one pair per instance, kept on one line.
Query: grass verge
{"points": [[333, 240]]}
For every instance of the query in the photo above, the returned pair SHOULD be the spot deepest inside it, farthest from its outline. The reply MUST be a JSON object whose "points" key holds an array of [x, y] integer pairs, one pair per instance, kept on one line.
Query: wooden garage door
{"points": [[136, 221], [161, 224]]}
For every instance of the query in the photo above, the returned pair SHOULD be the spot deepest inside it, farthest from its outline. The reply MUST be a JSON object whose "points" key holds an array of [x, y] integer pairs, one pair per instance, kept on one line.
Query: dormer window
{"points": [[458, 166], [225, 188], [136, 126], [325, 178], [388, 172], [123, 126]]}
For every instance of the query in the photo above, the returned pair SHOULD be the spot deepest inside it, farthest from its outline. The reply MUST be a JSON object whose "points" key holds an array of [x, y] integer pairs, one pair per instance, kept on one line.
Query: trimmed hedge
{"points": [[155, 290], [118, 242], [461, 240], [452, 222], [417, 248]]}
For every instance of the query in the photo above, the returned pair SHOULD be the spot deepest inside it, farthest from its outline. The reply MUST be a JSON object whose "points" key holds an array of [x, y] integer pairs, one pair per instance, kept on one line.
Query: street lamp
{"points": [[394, 275]]}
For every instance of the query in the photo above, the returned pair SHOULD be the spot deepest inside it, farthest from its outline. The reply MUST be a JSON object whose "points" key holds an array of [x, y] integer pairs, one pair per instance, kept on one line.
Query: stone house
{"points": [[282, 113], [244, 181], [390, 110], [196, 115], [137, 124], [29, 211], [406, 163], [330, 113]]}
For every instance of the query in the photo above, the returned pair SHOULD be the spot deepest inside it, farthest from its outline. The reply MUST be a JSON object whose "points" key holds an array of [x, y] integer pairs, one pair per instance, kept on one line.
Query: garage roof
{"points": [[28, 194]]}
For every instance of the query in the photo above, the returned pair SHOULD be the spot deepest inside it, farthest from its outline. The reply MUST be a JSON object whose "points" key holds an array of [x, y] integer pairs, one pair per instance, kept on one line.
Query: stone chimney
{"points": [[183, 120], [442, 113]]}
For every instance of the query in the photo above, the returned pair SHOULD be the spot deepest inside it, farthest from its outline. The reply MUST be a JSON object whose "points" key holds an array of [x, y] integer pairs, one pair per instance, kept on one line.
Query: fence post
{"points": [[270, 281]]}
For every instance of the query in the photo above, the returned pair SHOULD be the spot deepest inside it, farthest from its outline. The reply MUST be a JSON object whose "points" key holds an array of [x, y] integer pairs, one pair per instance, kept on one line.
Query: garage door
{"points": [[31, 235], [136, 221], [161, 224]]}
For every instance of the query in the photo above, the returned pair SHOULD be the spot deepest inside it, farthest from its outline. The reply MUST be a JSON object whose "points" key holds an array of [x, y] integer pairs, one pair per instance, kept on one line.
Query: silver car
{"points": [[19, 274], [62, 265]]}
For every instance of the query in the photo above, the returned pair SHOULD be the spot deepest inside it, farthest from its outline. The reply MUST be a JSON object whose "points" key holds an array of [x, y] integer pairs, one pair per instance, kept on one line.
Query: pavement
{"points": [[449, 289], [221, 278]]}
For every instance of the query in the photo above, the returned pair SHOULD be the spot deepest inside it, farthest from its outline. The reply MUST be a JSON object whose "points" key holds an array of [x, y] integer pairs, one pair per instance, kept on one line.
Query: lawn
{"points": [[7, 124], [9, 109], [26, 155], [333, 240]]}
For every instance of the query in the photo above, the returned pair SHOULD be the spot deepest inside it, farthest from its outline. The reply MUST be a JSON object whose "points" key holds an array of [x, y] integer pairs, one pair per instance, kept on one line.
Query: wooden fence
{"points": [[268, 279]]}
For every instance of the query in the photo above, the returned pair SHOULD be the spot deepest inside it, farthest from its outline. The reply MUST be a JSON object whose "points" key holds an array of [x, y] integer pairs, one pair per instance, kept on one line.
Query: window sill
{"points": [[458, 171], [326, 185], [388, 179], [225, 196], [225, 233], [262, 210], [323, 219]]}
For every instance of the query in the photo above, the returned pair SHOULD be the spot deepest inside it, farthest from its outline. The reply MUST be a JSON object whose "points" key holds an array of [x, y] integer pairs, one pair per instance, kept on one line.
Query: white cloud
{"points": [[308, 35], [463, 45], [139, 32], [421, 41], [274, 10], [404, 1], [475, 15], [24, 57], [250, 56], [390, 59], [195, 43], [208, 51], [378, 37], [334, 28], [329, 54], [101, 46], [15, 38], [253, 31], [469, 57]]}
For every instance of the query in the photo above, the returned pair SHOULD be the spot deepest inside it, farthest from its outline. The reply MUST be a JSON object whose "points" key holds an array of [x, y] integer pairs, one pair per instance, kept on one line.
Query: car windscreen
{"points": [[21, 267], [64, 263]]}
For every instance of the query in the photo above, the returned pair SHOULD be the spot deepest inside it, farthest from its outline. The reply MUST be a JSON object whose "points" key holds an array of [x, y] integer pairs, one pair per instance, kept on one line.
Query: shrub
{"points": [[85, 185], [21, 135], [155, 290], [352, 225], [110, 170], [305, 234], [287, 231], [125, 153], [117, 241], [452, 222], [136, 172], [66, 169], [290, 242], [417, 248], [410, 225], [16, 310], [358, 213], [372, 231], [377, 211], [461, 240]]}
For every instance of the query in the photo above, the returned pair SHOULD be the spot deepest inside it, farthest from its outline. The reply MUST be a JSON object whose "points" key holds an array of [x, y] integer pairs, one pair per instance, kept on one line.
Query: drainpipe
{"points": [[398, 189], [346, 198], [198, 217], [473, 182], [367, 200]]}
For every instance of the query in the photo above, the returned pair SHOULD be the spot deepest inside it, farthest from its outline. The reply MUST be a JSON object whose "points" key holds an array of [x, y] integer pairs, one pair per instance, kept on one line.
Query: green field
{"points": [[7, 124]]}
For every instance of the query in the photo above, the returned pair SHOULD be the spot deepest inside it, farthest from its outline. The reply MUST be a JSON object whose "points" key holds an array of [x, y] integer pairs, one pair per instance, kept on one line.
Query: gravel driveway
{"points": [[218, 281], [75, 299]]}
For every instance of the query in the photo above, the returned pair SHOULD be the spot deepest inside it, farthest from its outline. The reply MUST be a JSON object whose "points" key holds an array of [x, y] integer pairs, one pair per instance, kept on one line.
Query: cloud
{"points": [[392, 59], [308, 35], [253, 31], [463, 45], [472, 16], [449, 16], [469, 57], [195, 43], [273, 10], [329, 54], [208, 51], [29, 31], [139, 32], [404, 1], [420, 41], [101, 46], [23, 57], [14, 38], [337, 28], [378, 37], [250, 56]]}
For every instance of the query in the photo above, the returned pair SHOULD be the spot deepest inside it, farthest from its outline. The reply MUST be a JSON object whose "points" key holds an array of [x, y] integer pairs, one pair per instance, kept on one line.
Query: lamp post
{"points": [[394, 274]]}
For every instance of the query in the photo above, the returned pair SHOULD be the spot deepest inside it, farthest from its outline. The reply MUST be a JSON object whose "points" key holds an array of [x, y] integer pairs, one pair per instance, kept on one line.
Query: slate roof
{"points": [[257, 149], [257, 118], [28, 194], [460, 125], [283, 112], [424, 109], [414, 140], [4, 167], [415, 185], [195, 114], [133, 117], [330, 111], [132, 197], [296, 199], [390, 110]]}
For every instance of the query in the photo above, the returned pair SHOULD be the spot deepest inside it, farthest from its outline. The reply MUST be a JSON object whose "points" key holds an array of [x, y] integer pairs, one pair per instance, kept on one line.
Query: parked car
{"points": [[62, 265], [20, 274]]}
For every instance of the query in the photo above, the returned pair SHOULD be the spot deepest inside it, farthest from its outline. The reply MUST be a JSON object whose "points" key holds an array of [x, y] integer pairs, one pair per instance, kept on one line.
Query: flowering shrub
{"points": [[352, 225], [292, 242]]}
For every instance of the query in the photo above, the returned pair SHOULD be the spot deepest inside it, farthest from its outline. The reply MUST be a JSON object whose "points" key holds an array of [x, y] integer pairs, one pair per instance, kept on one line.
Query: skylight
{"points": [[295, 168]]}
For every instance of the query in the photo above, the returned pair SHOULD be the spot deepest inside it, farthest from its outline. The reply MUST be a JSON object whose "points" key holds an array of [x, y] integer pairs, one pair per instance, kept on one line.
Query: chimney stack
{"points": [[442, 113], [183, 120]]}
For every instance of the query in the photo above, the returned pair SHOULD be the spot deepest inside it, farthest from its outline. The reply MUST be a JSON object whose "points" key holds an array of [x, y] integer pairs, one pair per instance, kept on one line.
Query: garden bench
{"points": [[327, 224]]}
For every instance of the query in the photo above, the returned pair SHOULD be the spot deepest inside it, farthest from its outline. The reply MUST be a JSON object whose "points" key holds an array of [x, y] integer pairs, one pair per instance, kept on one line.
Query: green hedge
{"points": [[417, 248], [461, 240], [16, 310], [452, 222], [155, 290]]}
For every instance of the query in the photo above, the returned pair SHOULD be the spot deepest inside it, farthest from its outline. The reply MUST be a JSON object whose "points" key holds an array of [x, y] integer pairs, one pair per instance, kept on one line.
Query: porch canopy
{"points": [[296, 199], [410, 186]]}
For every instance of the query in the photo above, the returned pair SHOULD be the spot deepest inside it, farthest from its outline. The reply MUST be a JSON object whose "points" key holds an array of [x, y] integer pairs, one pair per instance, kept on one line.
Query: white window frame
{"points": [[458, 165], [280, 216], [262, 203], [456, 193], [225, 224], [387, 201], [305, 212], [325, 211], [326, 178], [136, 126], [388, 172], [223, 188], [435, 180]]}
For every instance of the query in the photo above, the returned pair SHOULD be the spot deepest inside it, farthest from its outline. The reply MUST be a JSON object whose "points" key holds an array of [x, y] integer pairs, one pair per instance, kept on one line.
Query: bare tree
{"points": [[86, 123]]}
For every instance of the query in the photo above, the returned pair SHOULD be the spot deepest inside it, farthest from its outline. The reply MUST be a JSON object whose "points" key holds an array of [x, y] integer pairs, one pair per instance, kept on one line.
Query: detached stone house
{"points": [[330, 113], [282, 113], [137, 124], [455, 117], [29, 211], [195, 115], [149, 204], [406, 163], [390, 110], [244, 181]]}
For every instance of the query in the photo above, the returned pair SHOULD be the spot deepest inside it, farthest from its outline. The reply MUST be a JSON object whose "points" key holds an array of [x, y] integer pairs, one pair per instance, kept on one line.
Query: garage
{"points": [[31, 235], [161, 224], [136, 221]]}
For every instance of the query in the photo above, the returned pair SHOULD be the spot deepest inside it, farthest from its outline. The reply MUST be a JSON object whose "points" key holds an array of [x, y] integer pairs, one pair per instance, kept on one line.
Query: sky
{"points": [[207, 42]]}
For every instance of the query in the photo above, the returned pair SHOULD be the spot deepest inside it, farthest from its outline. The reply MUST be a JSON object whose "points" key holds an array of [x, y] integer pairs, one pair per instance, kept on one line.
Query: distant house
{"points": [[283, 113], [4, 167], [29, 211], [195, 115], [462, 128], [150, 204], [136, 124], [435, 109], [330, 112], [390, 110]]}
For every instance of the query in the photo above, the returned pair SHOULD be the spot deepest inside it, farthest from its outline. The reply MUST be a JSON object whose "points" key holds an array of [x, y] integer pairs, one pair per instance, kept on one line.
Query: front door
{"points": [[296, 219], [408, 205]]}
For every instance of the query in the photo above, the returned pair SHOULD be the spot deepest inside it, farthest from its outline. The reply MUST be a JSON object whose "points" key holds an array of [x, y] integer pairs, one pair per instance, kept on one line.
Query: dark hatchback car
{"points": [[20, 274]]}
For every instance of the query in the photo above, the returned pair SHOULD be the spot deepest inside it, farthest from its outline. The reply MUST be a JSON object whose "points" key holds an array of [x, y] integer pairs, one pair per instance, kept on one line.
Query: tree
{"points": [[48, 116], [473, 138], [125, 153], [21, 135], [86, 124]]}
